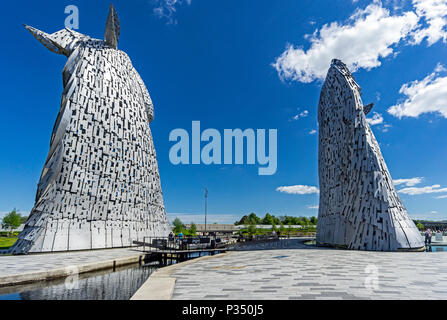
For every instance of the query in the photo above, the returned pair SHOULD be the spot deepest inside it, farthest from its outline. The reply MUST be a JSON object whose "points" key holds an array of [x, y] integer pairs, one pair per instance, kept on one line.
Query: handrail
{"points": [[152, 244]]}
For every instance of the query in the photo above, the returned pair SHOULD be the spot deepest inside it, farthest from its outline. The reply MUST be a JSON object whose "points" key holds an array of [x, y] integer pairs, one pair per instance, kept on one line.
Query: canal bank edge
{"points": [[62, 272], [161, 283]]}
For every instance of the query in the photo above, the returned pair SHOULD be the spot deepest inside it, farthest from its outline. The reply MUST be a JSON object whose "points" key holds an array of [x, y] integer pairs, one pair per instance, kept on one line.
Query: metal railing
{"points": [[263, 237], [172, 244]]}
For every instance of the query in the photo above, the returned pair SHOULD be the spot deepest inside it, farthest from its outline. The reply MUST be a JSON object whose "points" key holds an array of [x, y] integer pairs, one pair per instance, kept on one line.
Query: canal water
{"points": [[118, 284], [436, 248]]}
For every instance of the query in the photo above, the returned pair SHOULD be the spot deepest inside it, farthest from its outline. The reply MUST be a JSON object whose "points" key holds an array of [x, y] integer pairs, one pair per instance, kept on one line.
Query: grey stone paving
{"points": [[15, 265], [302, 272]]}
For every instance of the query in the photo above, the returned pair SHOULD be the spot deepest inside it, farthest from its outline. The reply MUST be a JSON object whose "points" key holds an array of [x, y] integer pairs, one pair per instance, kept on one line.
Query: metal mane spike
{"points": [[112, 32]]}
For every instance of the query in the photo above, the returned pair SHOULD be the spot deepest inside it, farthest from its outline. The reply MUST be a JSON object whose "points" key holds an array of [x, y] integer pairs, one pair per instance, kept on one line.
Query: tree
{"points": [[12, 220], [296, 221], [244, 220], [268, 219], [281, 227], [23, 219], [420, 226], [178, 225], [314, 220], [288, 220], [193, 230], [251, 230], [305, 221], [254, 219]]}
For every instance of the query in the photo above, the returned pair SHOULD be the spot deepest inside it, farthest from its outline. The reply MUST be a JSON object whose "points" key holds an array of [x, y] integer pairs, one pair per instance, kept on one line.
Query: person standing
{"points": [[430, 234]]}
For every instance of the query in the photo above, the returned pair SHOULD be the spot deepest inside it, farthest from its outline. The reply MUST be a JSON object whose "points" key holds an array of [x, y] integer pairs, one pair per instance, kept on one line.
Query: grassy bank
{"points": [[7, 242]]}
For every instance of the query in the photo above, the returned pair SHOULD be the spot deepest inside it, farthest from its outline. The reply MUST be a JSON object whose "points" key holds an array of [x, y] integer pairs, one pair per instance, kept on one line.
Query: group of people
{"points": [[171, 236]]}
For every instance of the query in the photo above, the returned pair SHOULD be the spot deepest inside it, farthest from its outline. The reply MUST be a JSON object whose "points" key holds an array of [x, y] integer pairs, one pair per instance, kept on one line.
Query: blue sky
{"points": [[244, 64]]}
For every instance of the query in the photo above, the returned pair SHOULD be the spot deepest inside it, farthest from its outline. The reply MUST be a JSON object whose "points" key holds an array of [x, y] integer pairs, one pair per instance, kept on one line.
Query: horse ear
{"points": [[112, 32], [368, 108], [61, 42]]}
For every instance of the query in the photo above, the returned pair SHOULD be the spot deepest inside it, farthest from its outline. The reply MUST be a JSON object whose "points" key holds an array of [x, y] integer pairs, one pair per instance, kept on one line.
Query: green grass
{"points": [[6, 243]]}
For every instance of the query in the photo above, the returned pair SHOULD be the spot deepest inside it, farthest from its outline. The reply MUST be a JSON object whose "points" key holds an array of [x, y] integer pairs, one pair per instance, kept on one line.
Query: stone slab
{"points": [[308, 273]]}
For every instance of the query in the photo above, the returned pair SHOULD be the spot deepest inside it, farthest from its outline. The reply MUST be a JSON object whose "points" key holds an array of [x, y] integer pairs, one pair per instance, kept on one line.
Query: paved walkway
{"points": [[31, 268], [303, 272]]}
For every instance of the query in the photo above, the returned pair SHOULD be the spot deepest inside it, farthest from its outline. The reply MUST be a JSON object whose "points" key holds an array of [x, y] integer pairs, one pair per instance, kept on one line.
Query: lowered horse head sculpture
{"points": [[359, 206]]}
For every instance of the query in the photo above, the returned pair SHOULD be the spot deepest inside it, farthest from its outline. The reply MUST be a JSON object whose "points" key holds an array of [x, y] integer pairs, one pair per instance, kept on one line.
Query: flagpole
{"points": [[206, 204]]}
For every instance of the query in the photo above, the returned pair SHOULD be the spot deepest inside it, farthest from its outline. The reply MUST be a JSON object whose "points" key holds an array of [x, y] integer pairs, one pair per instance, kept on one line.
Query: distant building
{"points": [[19, 229], [434, 224]]}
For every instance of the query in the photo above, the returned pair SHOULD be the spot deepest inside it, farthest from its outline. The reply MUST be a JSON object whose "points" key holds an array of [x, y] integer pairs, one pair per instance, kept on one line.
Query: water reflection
{"points": [[120, 284], [430, 248]]}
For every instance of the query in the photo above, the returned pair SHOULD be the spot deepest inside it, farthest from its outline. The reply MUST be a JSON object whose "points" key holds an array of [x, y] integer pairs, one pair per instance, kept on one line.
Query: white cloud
{"points": [[298, 189], [378, 96], [386, 127], [425, 96], [167, 8], [441, 197], [313, 207], [312, 132], [423, 190], [367, 36], [429, 216], [434, 14], [375, 120], [303, 114], [408, 182], [440, 68]]}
